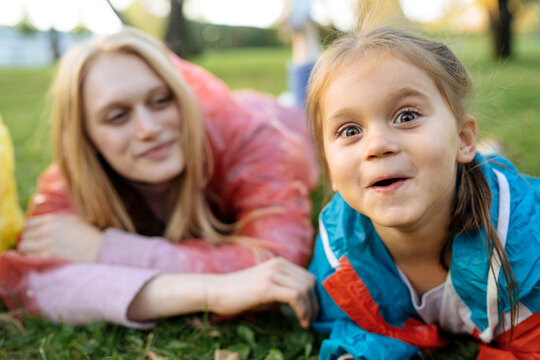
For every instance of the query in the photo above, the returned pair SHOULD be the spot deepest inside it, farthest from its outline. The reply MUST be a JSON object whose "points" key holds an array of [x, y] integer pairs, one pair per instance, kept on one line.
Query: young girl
{"points": [[424, 235]]}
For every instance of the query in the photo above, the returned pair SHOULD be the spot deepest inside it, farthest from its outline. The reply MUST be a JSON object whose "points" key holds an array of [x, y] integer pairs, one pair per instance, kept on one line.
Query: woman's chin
{"points": [[164, 176]]}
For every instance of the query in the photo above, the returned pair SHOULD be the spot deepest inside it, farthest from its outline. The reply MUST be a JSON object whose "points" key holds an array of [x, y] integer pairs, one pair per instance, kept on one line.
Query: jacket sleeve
{"points": [[52, 196], [71, 293], [187, 256], [261, 190], [525, 343], [348, 338], [262, 169], [81, 293], [523, 251]]}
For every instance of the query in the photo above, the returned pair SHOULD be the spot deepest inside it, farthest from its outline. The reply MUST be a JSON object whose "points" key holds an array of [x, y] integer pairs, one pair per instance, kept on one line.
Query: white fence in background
{"points": [[33, 50]]}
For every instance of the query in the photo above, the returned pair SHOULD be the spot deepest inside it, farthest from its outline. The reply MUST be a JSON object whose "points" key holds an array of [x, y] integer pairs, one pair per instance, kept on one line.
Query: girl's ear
{"points": [[467, 139], [334, 187]]}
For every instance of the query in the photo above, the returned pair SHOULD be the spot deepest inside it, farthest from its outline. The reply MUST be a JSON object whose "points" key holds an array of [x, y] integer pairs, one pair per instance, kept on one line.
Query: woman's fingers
{"points": [[65, 236], [35, 230], [39, 222], [314, 302], [299, 302], [33, 247], [276, 280], [33, 241], [290, 268], [298, 285]]}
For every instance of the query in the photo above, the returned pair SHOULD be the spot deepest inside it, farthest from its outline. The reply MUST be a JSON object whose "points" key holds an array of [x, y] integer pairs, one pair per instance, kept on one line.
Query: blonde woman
{"points": [[169, 195]]}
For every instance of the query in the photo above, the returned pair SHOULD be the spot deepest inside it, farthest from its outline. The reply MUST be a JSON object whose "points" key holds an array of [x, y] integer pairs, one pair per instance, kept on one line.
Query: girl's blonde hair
{"points": [[95, 197], [473, 197]]}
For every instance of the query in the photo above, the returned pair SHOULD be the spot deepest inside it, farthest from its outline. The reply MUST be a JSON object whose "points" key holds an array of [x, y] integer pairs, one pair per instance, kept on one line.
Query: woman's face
{"points": [[132, 118]]}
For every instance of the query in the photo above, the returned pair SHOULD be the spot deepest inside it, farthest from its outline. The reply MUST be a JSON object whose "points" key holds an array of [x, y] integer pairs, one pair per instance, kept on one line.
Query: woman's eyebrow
{"points": [[102, 109]]}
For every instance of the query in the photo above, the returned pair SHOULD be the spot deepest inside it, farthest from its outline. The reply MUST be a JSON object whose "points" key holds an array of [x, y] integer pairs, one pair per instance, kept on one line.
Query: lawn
{"points": [[507, 106]]}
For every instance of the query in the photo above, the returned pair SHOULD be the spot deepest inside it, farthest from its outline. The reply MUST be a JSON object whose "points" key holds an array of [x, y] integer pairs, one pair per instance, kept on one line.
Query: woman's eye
{"points": [[406, 117], [162, 100], [116, 117], [349, 131]]}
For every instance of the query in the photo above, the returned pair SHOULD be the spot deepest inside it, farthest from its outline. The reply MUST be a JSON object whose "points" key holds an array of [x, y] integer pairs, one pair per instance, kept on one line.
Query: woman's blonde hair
{"points": [[473, 197], [95, 197]]}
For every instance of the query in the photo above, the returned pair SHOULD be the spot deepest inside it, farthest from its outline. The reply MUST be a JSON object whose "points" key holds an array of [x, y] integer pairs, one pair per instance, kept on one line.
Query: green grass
{"points": [[507, 106], [263, 69], [264, 336], [22, 108]]}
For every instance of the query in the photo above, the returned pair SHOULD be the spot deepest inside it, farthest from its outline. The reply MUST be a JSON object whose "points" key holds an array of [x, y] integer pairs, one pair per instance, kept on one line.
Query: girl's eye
{"points": [[406, 116], [349, 131]]}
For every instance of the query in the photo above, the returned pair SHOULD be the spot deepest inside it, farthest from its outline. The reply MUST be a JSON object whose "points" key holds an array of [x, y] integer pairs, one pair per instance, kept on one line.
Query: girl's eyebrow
{"points": [[343, 112], [406, 92]]}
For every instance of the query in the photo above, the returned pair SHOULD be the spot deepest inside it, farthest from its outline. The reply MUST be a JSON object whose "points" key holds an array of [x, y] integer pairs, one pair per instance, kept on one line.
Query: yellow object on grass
{"points": [[10, 213]]}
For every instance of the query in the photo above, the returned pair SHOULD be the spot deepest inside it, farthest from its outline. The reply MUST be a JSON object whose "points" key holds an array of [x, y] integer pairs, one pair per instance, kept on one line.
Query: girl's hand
{"points": [[274, 281], [62, 236]]}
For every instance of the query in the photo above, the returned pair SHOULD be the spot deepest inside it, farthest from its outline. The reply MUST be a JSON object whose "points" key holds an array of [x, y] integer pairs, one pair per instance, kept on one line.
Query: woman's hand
{"points": [[62, 236], [274, 281]]}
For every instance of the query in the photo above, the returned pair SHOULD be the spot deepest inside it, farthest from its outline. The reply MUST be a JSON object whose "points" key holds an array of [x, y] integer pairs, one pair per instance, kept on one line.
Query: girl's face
{"points": [[392, 143], [132, 118]]}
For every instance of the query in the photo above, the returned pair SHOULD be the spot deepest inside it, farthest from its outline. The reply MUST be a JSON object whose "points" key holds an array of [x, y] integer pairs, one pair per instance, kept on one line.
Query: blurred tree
{"points": [[175, 26], [80, 30], [177, 35], [500, 21], [25, 26]]}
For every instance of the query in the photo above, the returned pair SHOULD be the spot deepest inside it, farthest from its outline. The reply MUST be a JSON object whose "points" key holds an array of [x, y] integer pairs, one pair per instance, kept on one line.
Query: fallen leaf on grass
{"points": [[199, 324], [153, 356], [225, 355], [10, 319]]}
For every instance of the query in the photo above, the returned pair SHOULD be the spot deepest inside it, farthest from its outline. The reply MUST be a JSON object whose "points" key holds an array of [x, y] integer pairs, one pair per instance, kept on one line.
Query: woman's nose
{"points": [[380, 142], [146, 124]]}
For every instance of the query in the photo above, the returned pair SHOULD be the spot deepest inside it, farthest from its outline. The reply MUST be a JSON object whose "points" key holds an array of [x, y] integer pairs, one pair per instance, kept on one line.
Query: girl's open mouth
{"points": [[387, 182]]}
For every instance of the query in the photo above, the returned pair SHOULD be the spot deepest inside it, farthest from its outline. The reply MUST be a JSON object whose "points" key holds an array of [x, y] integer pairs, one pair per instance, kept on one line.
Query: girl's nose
{"points": [[380, 142], [147, 125]]}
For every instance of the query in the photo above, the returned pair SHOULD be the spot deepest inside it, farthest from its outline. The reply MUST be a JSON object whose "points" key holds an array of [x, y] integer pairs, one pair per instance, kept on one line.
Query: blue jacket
{"points": [[367, 309]]}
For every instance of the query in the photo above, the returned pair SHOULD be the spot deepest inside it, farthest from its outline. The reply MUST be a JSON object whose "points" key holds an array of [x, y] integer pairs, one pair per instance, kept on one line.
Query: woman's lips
{"points": [[157, 152]]}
